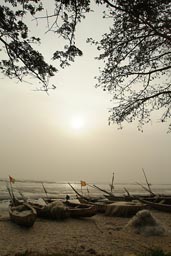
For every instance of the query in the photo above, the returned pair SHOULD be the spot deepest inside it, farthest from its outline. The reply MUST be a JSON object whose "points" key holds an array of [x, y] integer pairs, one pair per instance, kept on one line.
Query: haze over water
{"points": [[64, 136], [56, 190]]}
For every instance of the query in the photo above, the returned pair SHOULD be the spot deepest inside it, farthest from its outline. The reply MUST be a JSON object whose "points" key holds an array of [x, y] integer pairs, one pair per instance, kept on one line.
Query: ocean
{"points": [[34, 189]]}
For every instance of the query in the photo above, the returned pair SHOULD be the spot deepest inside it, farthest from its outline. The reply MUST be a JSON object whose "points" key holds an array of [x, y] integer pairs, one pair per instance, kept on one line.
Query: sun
{"points": [[77, 123]]}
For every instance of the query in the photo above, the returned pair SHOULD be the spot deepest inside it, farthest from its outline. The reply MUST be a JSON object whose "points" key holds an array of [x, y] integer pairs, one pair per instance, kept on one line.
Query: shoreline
{"points": [[99, 235]]}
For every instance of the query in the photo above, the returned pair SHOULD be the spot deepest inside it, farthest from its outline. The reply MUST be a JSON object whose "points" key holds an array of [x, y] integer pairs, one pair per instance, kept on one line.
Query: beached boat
{"points": [[115, 198], [23, 214], [63, 209], [125, 197], [100, 205], [158, 206], [124, 209], [55, 210], [79, 210], [40, 210], [164, 199]]}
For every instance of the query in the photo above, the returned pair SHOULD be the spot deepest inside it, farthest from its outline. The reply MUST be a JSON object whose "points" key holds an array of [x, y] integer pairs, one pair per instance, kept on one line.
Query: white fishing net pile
{"points": [[145, 223], [56, 210]]}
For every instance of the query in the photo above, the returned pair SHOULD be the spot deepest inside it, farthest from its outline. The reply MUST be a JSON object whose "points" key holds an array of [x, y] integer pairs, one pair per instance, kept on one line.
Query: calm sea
{"points": [[34, 189]]}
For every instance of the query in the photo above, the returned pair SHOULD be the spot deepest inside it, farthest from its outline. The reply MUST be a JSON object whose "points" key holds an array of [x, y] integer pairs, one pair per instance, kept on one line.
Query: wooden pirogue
{"points": [[100, 206], [161, 206], [23, 214], [61, 210], [77, 210], [124, 209]]}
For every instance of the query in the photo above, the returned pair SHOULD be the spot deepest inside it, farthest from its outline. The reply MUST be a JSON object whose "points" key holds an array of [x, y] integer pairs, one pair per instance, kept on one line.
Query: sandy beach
{"points": [[98, 235]]}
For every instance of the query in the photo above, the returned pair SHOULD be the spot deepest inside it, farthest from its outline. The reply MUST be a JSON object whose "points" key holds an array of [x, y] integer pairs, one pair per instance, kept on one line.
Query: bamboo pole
{"points": [[77, 192], [148, 184], [9, 191], [46, 193], [12, 192], [112, 186], [103, 190], [127, 192], [146, 189]]}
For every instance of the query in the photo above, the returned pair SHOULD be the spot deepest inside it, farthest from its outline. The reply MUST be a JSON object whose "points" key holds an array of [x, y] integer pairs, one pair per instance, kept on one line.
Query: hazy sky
{"points": [[64, 136]]}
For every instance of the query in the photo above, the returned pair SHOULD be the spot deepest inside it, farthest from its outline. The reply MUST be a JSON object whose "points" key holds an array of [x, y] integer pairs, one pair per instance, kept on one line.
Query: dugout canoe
{"points": [[55, 210], [23, 214], [158, 206], [124, 209], [100, 206], [59, 210], [79, 210]]}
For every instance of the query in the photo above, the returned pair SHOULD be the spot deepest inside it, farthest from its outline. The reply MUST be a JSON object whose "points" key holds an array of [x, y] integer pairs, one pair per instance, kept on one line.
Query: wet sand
{"points": [[99, 235]]}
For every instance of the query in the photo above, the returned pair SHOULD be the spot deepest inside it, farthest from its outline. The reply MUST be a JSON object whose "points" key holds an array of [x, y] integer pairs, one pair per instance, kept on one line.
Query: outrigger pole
{"points": [[146, 189], [103, 190], [46, 193], [148, 184], [77, 192]]}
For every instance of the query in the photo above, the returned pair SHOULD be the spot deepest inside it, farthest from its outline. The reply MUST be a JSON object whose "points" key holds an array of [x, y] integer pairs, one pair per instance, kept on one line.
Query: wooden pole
{"points": [[9, 191], [45, 190], [77, 192], [148, 184], [103, 190], [146, 189], [12, 193], [127, 192], [23, 197], [112, 186], [88, 192]]}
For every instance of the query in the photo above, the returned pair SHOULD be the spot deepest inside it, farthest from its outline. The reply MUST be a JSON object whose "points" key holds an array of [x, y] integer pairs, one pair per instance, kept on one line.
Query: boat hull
{"points": [[23, 215], [158, 206], [77, 210]]}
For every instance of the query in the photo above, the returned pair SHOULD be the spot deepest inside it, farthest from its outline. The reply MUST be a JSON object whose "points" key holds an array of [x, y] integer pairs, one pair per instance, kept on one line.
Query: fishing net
{"points": [[145, 223], [56, 210]]}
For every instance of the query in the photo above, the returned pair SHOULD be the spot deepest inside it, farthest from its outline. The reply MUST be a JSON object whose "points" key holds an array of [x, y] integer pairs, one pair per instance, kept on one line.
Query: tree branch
{"points": [[153, 96]]}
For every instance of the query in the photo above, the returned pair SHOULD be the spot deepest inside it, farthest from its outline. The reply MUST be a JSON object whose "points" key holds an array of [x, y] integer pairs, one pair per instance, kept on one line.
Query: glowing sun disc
{"points": [[77, 123]]}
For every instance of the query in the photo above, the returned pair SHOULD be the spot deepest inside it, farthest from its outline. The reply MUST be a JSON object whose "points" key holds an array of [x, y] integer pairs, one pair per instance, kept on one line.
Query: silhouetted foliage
{"points": [[20, 58], [136, 50], [137, 58]]}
